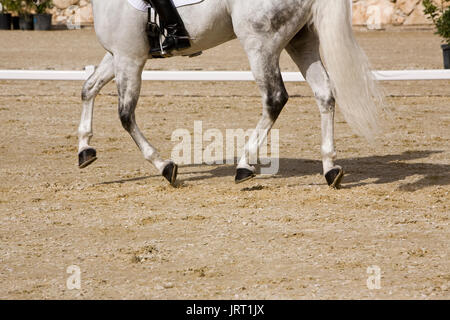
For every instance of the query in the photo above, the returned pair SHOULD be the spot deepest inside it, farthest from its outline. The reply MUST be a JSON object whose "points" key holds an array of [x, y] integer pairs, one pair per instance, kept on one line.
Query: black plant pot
{"points": [[26, 22], [15, 23], [42, 21], [5, 21], [446, 52]]}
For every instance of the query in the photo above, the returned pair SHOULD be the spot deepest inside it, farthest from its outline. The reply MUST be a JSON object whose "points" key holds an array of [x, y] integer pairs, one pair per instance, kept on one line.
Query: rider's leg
{"points": [[177, 36]]}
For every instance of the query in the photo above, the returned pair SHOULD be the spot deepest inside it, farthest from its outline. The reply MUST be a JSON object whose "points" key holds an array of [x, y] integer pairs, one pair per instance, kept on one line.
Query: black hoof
{"points": [[243, 175], [86, 157], [170, 173], [334, 177]]}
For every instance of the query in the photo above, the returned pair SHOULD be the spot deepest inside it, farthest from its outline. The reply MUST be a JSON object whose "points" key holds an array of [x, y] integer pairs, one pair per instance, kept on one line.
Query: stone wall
{"points": [[372, 13], [72, 13], [378, 13]]}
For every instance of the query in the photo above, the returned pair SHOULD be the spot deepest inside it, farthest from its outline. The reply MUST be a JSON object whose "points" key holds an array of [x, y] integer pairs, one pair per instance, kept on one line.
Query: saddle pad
{"points": [[143, 6]]}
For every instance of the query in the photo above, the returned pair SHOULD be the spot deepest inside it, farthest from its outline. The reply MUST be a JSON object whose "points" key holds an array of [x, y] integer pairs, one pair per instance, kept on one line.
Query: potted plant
{"points": [[440, 15], [25, 9], [5, 15], [42, 20], [14, 7]]}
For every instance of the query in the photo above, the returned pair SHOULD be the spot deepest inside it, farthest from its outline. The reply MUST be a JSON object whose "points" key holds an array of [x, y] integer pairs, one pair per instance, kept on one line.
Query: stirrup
{"points": [[171, 43], [154, 34], [173, 38]]}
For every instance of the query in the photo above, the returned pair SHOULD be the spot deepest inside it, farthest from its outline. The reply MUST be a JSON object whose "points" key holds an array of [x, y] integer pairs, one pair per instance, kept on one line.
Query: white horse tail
{"points": [[355, 90]]}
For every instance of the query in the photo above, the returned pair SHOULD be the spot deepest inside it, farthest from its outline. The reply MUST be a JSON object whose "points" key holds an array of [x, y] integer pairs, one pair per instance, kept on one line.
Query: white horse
{"points": [[265, 28]]}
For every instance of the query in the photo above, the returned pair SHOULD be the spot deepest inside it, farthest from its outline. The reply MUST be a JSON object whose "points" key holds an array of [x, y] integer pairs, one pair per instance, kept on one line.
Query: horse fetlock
{"points": [[328, 152], [84, 132], [328, 159], [84, 137]]}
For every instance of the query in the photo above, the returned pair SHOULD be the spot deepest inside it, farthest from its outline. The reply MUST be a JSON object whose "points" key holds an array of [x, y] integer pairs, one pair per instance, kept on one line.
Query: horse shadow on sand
{"points": [[359, 171]]}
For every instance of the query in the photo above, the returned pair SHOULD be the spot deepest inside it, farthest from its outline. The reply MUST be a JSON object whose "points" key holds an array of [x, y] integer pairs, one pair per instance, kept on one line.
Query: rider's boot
{"points": [[177, 36]]}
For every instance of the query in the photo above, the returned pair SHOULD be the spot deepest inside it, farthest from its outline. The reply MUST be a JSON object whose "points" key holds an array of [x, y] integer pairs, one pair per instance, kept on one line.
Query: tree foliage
{"points": [[440, 15]]}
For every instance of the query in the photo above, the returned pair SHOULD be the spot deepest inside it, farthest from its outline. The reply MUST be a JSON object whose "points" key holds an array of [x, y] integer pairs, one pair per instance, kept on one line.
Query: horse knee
{"points": [[87, 93], [275, 102], [85, 96], [92, 87]]}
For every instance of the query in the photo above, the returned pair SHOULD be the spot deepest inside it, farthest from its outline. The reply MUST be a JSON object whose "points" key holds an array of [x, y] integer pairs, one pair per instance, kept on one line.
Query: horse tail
{"points": [[355, 90]]}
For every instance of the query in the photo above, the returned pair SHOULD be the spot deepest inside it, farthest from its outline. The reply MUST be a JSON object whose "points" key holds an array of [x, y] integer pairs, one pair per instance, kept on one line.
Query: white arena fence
{"points": [[390, 75]]}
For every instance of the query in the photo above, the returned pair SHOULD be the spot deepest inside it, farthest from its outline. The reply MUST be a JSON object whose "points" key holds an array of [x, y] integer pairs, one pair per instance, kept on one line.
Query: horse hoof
{"points": [[334, 177], [86, 157], [243, 175], [170, 173]]}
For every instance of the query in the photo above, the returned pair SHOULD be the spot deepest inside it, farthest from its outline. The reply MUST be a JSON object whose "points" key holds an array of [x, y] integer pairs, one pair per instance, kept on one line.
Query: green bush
{"points": [[25, 7], [440, 17], [42, 6], [10, 6], [22, 7]]}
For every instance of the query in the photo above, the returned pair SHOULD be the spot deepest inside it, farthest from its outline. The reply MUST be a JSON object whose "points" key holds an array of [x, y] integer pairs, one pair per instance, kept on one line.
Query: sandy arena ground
{"points": [[282, 237]]}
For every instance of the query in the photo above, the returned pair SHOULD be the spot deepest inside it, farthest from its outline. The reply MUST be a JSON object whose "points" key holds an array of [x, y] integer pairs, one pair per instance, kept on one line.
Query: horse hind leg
{"points": [[266, 70], [103, 74], [128, 78], [304, 50]]}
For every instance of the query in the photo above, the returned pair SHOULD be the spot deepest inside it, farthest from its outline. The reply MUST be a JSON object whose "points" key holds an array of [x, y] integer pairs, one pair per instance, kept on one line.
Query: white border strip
{"points": [[399, 75], [42, 75], [392, 75]]}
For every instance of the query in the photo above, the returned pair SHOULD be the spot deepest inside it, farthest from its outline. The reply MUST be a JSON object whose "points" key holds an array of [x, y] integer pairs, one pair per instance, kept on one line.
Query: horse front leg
{"points": [[103, 74], [128, 78], [266, 70], [304, 50]]}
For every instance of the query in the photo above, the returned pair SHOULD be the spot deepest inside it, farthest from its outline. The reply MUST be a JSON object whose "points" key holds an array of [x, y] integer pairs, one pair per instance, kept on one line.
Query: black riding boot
{"points": [[177, 36]]}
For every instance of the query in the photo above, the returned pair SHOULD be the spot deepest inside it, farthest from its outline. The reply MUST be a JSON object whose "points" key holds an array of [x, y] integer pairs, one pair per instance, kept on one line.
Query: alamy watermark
{"points": [[216, 147], [74, 280], [374, 279]]}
